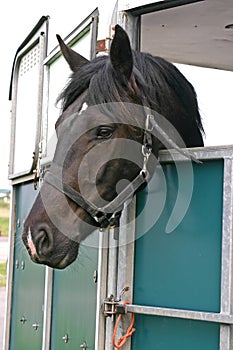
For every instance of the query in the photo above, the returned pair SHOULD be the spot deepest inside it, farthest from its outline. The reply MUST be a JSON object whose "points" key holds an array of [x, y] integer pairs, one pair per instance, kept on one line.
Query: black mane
{"points": [[166, 90]]}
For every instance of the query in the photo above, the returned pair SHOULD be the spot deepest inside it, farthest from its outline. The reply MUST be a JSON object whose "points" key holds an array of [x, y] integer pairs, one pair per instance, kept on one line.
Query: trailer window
{"points": [[58, 76], [26, 96], [26, 110]]}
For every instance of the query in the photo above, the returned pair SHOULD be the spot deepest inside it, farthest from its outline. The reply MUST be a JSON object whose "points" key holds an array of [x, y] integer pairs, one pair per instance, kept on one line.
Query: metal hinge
{"points": [[104, 44]]}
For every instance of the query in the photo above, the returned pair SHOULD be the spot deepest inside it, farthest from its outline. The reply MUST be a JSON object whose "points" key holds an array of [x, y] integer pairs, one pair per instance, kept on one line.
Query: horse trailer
{"points": [[163, 280]]}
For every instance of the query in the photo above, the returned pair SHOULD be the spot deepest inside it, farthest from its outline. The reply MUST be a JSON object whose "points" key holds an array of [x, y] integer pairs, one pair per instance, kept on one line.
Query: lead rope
{"points": [[122, 340]]}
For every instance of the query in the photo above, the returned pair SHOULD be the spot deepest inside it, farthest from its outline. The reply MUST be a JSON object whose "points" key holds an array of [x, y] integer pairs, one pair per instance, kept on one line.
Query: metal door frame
{"points": [[130, 21]]}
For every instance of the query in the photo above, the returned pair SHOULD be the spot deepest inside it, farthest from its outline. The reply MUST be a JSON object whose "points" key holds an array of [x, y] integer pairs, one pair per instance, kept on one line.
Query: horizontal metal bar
{"points": [[201, 153], [184, 314]]}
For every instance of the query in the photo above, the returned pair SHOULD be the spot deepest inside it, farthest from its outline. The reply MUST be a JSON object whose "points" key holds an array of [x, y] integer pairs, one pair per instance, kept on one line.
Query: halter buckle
{"points": [[149, 126], [102, 219]]}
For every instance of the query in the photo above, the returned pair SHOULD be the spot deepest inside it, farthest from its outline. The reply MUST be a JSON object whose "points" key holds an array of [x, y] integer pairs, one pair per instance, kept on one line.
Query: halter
{"points": [[108, 216]]}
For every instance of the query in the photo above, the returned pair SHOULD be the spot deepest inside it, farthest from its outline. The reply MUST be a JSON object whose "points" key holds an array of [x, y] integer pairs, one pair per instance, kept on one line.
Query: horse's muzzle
{"points": [[39, 242]]}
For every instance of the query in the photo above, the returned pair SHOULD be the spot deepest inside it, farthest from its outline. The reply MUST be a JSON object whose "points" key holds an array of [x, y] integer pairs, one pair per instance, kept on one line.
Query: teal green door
{"points": [[181, 269], [74, 303], [28, 282], [74, 293]]}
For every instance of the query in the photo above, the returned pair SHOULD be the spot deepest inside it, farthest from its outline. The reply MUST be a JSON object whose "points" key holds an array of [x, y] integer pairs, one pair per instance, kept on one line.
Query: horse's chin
{"points": [[54, 240], [60, 264]]}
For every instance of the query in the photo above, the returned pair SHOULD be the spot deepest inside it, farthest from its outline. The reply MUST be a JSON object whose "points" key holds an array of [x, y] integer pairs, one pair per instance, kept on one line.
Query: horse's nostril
{"points": [[43, 241]]}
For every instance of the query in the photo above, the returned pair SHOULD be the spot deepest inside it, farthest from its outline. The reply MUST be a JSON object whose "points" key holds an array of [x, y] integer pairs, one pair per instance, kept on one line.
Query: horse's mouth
{"points": [[61, 264], [59, 261]]}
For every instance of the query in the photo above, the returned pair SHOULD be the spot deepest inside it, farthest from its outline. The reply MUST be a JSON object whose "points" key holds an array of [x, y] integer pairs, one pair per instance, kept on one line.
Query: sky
{"points": [[214, 87]]}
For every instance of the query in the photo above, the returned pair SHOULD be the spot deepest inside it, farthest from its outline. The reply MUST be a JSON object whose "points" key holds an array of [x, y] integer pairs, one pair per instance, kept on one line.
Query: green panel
{"points": [[74, 302], [161, 333], [181, 269], [28, 282]]}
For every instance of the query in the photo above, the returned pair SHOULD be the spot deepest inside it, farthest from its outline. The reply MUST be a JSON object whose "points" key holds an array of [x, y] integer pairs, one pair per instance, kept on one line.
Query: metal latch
{"points": [[109, 306], [112, 306]]}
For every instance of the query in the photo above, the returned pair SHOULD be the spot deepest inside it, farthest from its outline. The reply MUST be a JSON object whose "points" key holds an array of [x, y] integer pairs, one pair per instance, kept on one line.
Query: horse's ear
{"points": [[74, 60], [121, 53]]}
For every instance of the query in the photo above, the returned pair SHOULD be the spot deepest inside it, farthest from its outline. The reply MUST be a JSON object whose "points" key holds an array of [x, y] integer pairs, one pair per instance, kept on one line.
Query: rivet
{"points": [[22, 320], [95, 276], [83, 345], [23, 265], [18, 222], [17, 264], [35, 326], [65, 338]]}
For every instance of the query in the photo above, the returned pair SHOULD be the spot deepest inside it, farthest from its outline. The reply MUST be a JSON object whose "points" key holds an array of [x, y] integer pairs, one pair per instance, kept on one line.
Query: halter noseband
{"points": [[108, 215]]}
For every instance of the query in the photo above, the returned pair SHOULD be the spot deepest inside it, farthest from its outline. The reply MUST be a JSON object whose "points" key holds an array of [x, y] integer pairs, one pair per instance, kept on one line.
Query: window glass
{"points": [[59, 73]]}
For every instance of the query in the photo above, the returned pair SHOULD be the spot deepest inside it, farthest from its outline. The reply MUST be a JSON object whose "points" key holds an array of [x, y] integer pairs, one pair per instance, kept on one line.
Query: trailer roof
{"points": [[199, 33]]}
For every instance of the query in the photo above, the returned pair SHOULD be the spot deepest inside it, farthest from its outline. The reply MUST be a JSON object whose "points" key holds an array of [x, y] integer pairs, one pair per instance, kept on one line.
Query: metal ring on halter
{"points": [[146, 154], [146, 151]]}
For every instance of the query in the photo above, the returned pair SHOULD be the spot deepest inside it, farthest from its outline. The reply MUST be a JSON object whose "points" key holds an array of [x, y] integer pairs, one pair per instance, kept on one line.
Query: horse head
{"points": [[106, 150]]}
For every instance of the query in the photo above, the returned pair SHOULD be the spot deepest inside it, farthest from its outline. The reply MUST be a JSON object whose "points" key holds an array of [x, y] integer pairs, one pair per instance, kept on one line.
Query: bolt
{"points": [[83, 345], [65, 338]]}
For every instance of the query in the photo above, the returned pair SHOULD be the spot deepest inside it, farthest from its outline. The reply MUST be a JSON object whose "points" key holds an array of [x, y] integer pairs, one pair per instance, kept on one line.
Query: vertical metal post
{"points": [[226, 281], [10, 268], [126, 264], [101, 290], [43, 48], [111, 285], [132, 25], [94, 25], [126, 250], [47, 308]]}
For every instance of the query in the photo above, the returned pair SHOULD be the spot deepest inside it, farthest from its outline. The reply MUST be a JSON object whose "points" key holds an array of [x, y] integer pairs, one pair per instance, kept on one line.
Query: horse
{"points": [[118, 111]]}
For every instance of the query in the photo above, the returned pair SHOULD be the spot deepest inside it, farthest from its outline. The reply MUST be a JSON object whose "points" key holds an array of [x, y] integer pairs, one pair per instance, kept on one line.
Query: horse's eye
{"points": [[104, 132]]}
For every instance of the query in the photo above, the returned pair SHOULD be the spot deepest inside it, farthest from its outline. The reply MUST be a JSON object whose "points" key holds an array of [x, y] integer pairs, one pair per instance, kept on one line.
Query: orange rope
{"points": [[122, 340]]}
